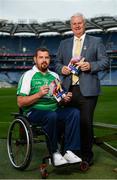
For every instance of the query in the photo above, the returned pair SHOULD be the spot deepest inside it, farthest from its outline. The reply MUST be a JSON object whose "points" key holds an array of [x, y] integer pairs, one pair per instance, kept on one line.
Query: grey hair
{"points": [[78, 15]]}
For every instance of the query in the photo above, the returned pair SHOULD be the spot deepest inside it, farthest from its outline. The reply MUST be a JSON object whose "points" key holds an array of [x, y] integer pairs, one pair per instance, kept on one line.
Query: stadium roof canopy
{"points": [[102, 23]]}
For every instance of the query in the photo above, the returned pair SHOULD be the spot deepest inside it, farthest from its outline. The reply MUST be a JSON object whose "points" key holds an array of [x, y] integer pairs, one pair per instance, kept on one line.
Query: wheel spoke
{"points": [[19, 144]]}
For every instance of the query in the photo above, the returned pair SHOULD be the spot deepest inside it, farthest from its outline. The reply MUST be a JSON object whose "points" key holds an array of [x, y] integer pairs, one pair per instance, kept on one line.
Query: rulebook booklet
{"points": [[55, 89], [73, 67]]}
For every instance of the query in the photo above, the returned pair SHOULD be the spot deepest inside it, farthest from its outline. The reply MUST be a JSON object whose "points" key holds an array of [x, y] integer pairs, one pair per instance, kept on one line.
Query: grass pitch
{"points": [[104, 163]]}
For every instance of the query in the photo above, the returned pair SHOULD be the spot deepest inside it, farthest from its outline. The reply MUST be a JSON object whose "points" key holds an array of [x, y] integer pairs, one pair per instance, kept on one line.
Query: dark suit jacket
{"points": [[95, 53]]}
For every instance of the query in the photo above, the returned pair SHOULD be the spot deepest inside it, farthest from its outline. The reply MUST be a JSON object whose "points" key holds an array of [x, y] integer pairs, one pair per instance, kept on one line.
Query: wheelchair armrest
{"points": [[15, 114]]}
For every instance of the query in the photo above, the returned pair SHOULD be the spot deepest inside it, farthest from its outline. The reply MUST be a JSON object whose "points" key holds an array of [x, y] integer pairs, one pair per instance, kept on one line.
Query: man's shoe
{"points": [[58, 159], [71, 157]]}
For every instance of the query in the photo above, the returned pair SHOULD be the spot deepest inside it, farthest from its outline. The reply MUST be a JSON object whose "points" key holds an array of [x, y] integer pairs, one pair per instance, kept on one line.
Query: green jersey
{"points": [[30, 83]]}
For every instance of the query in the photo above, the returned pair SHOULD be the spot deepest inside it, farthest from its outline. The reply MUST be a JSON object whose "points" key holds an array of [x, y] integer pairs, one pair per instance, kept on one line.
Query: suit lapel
{"points": [[70, 48], [85, 46]]}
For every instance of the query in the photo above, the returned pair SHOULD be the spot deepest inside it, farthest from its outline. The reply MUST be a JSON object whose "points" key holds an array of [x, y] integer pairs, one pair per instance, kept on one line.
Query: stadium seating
{"points": [[16, 54]]}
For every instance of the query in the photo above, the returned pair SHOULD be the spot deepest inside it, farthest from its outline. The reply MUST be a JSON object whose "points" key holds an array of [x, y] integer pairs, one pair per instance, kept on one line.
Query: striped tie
{"points": [[77, 52], [77, 47]]}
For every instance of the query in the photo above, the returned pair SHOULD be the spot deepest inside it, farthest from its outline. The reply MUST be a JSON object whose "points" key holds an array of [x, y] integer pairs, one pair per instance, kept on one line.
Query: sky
{"points": [[48, 10]]}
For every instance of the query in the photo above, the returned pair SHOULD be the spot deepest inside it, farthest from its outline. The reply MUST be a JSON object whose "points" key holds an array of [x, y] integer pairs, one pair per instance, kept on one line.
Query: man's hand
{"points": [[65, 70], [68, 97], [44, 90], [28, 100], [84, 66]]}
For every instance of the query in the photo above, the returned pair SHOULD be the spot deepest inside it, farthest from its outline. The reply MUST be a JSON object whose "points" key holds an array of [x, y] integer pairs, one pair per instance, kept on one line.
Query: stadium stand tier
{"points": [[16, 51]]}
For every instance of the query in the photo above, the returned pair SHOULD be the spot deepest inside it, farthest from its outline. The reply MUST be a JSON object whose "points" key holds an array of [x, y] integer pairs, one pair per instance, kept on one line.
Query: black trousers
{"points": [[87, 106]]}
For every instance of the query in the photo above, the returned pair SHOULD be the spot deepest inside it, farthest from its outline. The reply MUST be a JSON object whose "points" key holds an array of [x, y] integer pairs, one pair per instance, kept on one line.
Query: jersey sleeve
{"points": [[24, 84]]}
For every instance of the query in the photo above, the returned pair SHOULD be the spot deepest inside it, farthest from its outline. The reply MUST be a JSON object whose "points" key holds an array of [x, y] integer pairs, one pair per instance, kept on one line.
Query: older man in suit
{"points": [[87, 87]]}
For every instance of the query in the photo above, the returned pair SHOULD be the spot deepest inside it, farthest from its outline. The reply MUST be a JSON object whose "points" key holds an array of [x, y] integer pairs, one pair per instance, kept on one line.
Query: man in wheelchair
{"points": [[41, 107]]}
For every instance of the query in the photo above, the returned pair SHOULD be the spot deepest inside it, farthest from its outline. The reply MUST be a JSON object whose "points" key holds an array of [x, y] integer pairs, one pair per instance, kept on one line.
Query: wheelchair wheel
{"points": [[19, 143], [43, 171], [84, 166]]}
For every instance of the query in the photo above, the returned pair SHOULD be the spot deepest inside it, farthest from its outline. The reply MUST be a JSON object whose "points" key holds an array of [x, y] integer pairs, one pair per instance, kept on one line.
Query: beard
{"points": [[44, 67]]}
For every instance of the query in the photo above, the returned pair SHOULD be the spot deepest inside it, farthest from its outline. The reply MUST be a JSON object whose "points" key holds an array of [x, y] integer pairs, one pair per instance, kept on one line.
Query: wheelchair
{"points": [[21, 137]]}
